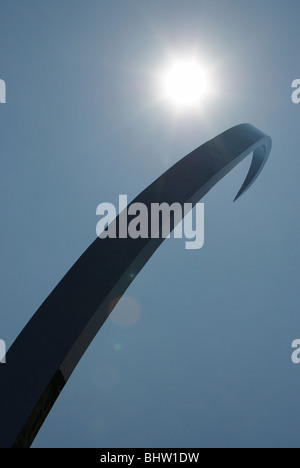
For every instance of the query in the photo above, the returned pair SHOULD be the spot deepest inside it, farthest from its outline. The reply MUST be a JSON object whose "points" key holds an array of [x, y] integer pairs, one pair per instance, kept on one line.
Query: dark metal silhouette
{"points": [[44, 355]]}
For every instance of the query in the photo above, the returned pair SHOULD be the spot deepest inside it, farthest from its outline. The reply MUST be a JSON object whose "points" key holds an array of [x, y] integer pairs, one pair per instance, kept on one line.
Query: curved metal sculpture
{"points": [[44, 355]]}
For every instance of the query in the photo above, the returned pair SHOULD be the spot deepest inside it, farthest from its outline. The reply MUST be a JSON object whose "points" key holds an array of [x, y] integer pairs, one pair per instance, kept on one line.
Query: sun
{"points": [[185, 83]]}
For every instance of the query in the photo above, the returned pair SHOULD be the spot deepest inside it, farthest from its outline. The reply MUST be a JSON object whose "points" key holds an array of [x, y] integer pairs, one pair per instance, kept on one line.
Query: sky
{"points": [[198, 352]]}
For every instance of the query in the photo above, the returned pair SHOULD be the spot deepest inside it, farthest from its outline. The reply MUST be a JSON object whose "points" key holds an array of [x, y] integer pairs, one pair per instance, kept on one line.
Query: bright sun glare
{"points": [[185, 83]]}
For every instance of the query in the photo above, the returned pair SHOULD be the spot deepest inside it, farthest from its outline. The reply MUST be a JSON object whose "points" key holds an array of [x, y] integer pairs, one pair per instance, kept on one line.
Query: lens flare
{"points": [[185, 83], [127, 313]]}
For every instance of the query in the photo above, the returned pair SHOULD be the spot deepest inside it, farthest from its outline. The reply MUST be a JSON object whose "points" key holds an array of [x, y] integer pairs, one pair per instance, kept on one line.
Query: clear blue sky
{"points": [[208, 363]]}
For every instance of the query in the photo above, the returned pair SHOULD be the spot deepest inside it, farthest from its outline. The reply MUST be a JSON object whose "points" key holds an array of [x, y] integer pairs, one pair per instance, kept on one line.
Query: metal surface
{"points": [[44, 355]]}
